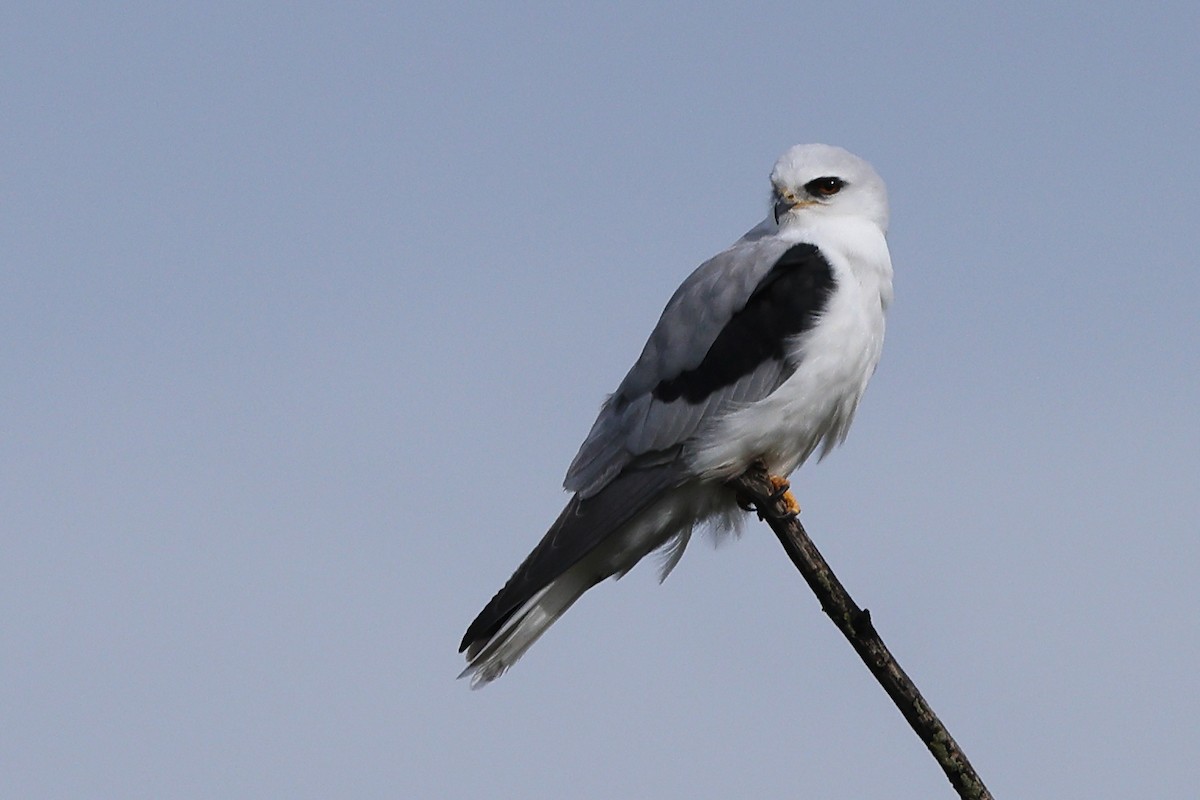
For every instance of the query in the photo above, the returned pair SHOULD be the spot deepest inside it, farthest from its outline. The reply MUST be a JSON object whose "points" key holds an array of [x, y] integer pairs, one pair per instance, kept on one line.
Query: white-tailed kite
{"points": [[762, 353]]}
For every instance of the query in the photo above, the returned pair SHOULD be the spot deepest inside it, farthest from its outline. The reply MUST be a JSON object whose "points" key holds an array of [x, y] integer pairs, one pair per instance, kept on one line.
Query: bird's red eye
{"points": [[824, 187]]}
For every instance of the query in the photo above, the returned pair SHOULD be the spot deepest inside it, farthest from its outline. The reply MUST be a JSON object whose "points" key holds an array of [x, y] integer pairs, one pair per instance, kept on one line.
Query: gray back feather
{"points": [[633, 423]]}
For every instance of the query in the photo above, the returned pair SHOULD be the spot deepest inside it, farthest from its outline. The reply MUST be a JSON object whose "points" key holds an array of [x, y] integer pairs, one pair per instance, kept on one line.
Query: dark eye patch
{"points": [[824, 187]]}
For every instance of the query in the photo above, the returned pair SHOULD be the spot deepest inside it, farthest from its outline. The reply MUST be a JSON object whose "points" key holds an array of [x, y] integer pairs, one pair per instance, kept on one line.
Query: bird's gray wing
{"points": [[579, 529], [721, 342]]}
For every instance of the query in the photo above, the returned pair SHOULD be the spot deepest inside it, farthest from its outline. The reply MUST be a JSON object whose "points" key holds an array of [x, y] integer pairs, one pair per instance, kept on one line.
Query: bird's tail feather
{"points": [[491, 657]]}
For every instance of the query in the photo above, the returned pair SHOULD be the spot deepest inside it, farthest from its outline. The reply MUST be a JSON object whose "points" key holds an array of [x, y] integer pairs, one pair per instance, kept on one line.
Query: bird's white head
{"points": [[812, 180]]}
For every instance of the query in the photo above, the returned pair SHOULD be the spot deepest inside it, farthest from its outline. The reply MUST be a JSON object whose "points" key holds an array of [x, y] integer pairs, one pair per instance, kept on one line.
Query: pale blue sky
{"points": [[308, 307]]}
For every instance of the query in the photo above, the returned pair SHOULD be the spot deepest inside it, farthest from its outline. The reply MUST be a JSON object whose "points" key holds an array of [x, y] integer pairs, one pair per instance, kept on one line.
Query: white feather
{"points": [[836, 358]]}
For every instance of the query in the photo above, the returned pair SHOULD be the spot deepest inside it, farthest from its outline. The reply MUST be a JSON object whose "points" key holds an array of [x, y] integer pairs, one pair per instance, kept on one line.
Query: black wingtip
{"points": [[582, 526], [485, 622]]}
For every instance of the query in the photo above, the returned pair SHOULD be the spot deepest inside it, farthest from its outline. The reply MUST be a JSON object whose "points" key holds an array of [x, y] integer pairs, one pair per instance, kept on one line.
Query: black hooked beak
{"points": [[783, 205]]}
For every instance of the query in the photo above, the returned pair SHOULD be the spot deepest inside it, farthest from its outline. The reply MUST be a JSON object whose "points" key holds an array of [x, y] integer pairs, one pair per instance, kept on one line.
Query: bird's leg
{"points": [[783, 490]]}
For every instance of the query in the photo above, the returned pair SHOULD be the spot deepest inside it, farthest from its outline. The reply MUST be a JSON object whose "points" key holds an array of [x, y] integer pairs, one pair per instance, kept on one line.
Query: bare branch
{"points": [[754, 488]]}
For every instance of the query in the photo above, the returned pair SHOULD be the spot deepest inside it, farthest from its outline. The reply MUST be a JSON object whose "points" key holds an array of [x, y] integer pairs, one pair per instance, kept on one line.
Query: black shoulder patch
{"points": [[786, 302]]}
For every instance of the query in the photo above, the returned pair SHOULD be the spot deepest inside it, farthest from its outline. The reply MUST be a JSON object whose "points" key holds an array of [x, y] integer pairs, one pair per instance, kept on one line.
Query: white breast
{"points": [[835, 360]]}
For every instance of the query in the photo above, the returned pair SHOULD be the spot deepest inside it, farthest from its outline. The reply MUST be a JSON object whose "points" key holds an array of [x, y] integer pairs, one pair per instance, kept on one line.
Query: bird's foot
{"points": [[783, 491]]}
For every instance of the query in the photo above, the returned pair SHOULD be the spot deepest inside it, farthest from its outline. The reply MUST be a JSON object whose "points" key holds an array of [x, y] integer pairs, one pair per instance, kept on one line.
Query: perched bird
{"points": [[761, 354]]}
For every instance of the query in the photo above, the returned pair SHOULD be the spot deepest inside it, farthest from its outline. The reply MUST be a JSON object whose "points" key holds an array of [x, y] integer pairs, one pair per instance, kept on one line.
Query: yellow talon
{"points": [[789, 500]]}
